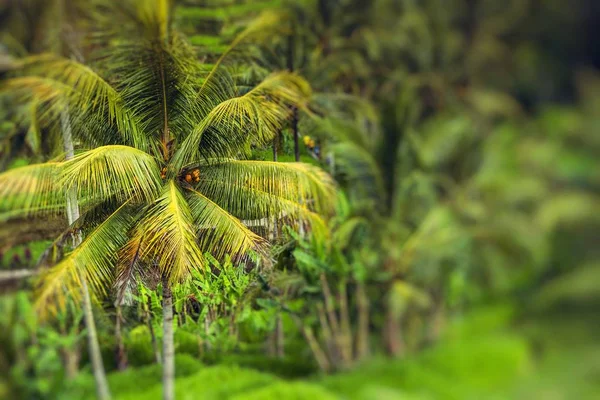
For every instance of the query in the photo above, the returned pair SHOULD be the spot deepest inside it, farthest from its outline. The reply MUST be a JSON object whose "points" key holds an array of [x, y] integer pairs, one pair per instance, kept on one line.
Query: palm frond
{"points": [[94, 258], [127, 266], [121, 171], [169, 235], [50, 78], [302, 183], [253, 117], [258, 206], [219, 232]]}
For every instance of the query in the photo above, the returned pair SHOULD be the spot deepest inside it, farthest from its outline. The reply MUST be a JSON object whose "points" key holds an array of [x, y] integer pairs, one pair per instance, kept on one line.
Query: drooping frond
{"points": [[253, 117], [31, 189], [94, 258], [127, 266], [121, 171], [168, 235], [219, 232], [59, 82], [298, 182], [259, 206]]}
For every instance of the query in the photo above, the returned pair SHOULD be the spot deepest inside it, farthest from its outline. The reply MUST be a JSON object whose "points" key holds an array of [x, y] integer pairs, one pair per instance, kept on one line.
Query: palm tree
{"points": [[168, 181]]}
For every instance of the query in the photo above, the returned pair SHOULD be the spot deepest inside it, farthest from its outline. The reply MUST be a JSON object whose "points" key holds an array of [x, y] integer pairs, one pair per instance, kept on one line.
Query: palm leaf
{"points": [[256, 206], [169, 235], [256, 117], [50, 78], [127, 267], [301, 183], [219, 232], [95, 257], [113, 170]]}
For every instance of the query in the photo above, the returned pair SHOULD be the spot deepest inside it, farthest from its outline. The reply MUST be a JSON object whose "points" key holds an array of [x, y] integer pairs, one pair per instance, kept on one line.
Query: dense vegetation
{"points": [[303, 199]]}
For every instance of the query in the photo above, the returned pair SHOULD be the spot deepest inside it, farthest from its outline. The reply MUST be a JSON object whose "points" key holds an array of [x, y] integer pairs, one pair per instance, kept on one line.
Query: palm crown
{"points": [[165, 180]]}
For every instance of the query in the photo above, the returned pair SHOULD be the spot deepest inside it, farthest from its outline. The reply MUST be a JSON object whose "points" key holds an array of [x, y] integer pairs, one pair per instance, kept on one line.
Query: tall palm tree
{"points": [[168, 181]]}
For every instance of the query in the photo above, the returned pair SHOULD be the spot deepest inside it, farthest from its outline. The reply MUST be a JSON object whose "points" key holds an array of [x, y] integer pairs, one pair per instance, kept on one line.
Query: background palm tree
{"points": [[169, 182]]}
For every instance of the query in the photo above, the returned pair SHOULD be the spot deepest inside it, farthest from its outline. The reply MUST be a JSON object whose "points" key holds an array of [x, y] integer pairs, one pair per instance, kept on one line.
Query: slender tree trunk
{"points": [[168, 343], [394, 344], [95, 354], [362, 333], [329, 305], [120, 350], [71, 357], [327, 336], [275, 139], [345, 329], [313, 343], [102, 389]]}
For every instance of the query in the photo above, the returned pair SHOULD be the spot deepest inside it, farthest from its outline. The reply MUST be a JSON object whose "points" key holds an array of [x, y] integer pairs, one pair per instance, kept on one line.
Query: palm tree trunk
{"points": [[362, 331], [313, 343], [345, 329], [168, 345], [102, 389], [329, 305], [394, 344], [94, 348]]}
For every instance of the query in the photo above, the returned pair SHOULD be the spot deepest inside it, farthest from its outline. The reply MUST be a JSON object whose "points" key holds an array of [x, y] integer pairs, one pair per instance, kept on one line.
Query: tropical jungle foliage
{"points": [[303, 199]]}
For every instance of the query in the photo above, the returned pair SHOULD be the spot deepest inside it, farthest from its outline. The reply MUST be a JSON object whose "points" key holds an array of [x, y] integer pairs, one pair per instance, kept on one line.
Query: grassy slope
{"points": [[478, 358]]}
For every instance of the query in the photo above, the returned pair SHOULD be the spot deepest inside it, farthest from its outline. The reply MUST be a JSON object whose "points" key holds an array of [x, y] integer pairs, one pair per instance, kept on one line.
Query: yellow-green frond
{"points": [[219, 232], [49, 77], [95, 258], [305, 184], [121, 171], [169, 235], [260, 208], [255, 117]]}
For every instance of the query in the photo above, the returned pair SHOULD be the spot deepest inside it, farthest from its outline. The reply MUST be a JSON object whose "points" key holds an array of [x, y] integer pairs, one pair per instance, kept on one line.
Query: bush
{"points": [[186, 342]]}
